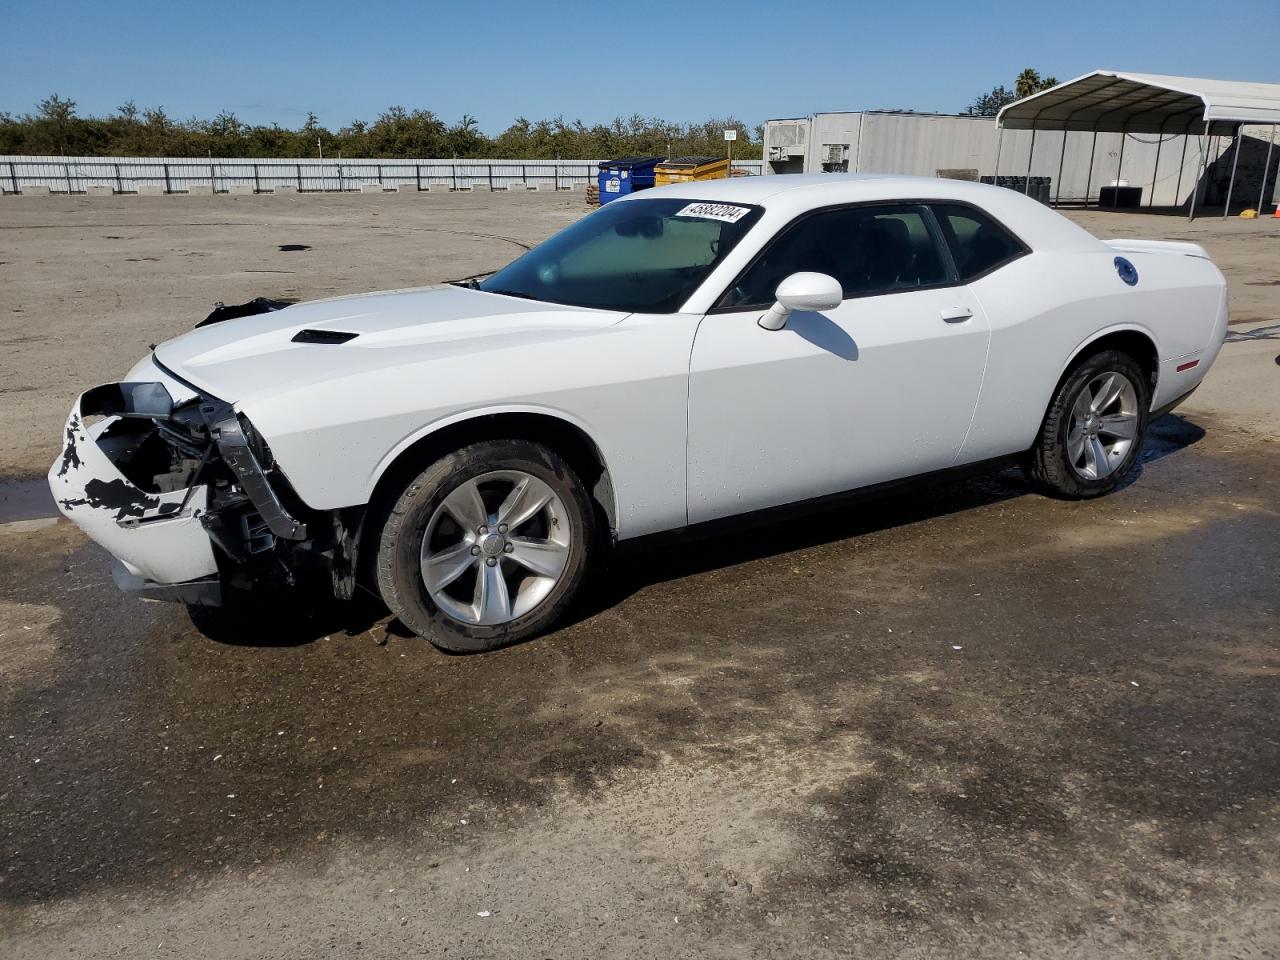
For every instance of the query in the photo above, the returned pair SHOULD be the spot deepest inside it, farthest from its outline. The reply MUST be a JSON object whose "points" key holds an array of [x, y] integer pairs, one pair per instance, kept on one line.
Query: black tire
{"points": [[1048, 465], [399, 574]]}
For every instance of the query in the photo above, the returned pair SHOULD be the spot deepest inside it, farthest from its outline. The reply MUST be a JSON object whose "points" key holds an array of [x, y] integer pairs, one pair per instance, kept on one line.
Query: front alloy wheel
{"points": [[495, 547], [487, 546]]}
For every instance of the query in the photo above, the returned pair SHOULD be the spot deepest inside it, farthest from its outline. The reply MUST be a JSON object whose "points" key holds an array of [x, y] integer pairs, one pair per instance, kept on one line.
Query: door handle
{"points": [[956, 314]]}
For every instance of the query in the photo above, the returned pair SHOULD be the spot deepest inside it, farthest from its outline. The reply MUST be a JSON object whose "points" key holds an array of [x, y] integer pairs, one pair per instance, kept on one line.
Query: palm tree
{"points": [[1029, 81]]}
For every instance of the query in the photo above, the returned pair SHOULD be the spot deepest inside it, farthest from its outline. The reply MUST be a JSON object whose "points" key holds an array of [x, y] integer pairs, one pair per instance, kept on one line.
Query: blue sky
{"points": [[272, 61]]}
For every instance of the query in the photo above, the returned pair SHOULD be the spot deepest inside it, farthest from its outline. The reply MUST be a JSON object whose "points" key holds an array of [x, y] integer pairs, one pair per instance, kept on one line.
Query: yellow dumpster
{"points": [[687, 169]]}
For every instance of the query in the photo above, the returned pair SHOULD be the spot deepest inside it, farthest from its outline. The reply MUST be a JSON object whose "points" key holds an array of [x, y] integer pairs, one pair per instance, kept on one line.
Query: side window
{"points": [[977, 242], [869, 250]]}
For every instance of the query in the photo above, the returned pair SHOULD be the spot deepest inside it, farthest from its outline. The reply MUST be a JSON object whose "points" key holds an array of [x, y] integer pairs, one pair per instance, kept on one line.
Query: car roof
{"points": [[758, 189], [791, 194]]}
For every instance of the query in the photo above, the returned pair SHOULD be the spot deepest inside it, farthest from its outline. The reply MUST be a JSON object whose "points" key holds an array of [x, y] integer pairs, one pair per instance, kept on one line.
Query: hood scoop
{"points": [[323, 336]]}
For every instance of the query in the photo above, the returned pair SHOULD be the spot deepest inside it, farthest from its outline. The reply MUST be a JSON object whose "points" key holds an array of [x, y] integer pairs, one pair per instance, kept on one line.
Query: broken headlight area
{"points": [[189, 491]]}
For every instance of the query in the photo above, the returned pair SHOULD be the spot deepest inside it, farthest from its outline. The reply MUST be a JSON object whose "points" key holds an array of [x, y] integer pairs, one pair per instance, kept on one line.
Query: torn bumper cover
{"points": [[177, 492]]}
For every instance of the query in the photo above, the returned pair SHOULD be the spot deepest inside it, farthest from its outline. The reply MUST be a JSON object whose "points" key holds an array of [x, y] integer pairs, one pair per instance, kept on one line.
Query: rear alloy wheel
{"points": [[487, 546], [1092, 435], [1102, 426]]}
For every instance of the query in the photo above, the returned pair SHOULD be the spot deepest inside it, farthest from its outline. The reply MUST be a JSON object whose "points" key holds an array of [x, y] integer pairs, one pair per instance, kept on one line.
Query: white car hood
{"points": [[253, 357]]}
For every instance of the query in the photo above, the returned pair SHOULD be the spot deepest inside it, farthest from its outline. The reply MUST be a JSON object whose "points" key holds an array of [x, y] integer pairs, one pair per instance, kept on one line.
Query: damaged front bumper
{"points": [[181, 491]]}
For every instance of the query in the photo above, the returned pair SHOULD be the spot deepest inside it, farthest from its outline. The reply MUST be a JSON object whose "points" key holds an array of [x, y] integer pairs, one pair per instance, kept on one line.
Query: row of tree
{"points": [[1029, 81], [56, 129]]}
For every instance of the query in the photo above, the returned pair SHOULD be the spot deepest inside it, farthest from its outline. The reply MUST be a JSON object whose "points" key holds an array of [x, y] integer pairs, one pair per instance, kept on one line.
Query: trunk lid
{"points": [[1178, 247]]}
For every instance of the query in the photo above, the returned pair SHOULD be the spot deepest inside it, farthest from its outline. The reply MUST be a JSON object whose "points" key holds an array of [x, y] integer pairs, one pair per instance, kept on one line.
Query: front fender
{"points": [[626, 390], [477, 413]]}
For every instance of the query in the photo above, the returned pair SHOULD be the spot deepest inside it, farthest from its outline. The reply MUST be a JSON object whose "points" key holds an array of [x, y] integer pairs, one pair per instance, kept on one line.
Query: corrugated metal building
{"points": [[923, 144]]}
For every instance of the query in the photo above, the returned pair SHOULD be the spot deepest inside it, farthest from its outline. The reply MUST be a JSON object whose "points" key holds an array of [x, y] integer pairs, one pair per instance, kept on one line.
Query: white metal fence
{"points": [[220, 175]]}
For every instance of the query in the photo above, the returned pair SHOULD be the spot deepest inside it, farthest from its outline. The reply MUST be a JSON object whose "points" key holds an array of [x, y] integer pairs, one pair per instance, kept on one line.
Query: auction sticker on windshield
{"points": [[715, 211]]}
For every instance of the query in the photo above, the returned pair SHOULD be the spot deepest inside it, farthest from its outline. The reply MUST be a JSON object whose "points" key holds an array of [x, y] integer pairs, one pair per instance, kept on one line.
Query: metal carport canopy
{"points": [[1109, 102]]}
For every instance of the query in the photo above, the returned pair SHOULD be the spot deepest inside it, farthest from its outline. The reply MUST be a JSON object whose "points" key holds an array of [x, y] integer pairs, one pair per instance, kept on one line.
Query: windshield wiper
{"points": [[472, 282]]}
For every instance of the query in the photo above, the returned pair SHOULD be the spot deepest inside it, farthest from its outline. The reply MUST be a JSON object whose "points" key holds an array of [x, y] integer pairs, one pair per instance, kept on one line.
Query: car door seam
{"points": [[688, 413], [982, 380]]}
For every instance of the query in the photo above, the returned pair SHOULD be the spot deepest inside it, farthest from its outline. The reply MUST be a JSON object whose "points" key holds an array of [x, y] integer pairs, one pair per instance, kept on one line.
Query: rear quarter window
{"points": [[978, 243]]}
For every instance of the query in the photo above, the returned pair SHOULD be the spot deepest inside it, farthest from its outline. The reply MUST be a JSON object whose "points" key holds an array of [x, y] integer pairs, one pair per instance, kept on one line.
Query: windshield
{"points": [[644, 256]]}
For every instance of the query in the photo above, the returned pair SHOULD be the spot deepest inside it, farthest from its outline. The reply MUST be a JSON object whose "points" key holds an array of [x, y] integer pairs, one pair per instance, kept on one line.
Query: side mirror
{"points": [[802, 291]]}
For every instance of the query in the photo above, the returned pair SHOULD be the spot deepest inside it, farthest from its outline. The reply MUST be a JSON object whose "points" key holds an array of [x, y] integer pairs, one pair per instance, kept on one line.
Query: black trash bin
{"points": [[1120, 197]]}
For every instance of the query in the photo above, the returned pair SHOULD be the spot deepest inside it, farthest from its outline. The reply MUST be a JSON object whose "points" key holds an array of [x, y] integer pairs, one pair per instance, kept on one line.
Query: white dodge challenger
{"points": [[683, 355]]}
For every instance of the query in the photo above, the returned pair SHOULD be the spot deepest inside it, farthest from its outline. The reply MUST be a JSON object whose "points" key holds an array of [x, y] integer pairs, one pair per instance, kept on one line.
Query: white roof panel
{"points": [[1113, 102]]}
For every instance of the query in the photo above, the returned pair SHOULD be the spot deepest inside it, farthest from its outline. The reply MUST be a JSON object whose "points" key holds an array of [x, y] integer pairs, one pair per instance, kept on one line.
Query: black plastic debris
{"points": [[254, 307]]}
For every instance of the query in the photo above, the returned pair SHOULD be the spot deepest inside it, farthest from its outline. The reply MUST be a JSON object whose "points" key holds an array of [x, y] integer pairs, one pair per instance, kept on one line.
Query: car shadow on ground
{"points": [[306, 614], [291, 617], [632, 570]]}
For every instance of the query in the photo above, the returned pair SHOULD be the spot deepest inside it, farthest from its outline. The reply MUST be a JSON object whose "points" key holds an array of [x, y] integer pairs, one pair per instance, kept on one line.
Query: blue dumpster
{"points": [[625, 175]]}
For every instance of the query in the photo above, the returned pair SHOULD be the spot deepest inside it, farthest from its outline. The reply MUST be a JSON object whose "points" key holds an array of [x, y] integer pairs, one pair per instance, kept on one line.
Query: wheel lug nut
{"points": [[484, 529], [492, 561], [502, 528], [509, 547], [475, 551]]}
